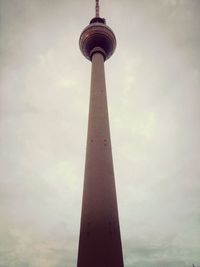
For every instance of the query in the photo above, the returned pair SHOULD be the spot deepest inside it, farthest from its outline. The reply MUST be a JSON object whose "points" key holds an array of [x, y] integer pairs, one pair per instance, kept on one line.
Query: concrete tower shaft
{"points": [[100, 241]]}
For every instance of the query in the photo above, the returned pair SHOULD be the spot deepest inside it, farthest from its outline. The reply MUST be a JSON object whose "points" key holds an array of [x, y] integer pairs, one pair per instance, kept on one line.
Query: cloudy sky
{"points": [[153, 83]]}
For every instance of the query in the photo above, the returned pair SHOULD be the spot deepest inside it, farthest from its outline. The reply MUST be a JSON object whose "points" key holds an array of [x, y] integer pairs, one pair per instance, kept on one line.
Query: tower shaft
{"points": [[100, 241]]}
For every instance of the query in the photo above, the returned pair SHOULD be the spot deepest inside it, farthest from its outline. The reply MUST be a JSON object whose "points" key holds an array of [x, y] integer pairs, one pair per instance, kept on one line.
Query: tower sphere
{"points": [[97, 37]]}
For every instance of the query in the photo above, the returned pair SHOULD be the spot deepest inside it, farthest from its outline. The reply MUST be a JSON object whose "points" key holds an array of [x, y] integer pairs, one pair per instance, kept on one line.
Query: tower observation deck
{"points": [[99, 241]]}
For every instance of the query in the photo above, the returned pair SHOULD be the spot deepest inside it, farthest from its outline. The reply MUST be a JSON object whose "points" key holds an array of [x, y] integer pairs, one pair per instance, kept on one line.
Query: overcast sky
{"points": [[153, 84]]}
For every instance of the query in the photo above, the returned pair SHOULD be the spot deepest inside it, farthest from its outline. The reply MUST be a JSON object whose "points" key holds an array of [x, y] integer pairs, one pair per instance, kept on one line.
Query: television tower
{"points": [[99, 241]]}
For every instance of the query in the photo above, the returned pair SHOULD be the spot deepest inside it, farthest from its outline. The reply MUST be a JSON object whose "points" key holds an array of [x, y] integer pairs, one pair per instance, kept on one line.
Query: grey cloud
{"points": [[153, 93]]}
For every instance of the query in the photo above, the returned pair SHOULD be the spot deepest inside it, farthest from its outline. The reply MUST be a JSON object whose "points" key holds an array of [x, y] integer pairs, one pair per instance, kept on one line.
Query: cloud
{"points": [[152, 81]]}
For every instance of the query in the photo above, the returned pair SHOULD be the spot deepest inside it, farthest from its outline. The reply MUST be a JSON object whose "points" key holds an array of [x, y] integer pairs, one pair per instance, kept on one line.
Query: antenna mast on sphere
{"points": [[97, 8]]}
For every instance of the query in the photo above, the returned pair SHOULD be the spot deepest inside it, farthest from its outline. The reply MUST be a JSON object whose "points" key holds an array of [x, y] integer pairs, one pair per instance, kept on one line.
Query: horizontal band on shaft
{"points": [[98, 50]]}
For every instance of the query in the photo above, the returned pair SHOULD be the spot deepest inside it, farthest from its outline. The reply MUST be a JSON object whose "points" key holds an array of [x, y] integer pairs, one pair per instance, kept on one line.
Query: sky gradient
{"points": [[153, 86]]}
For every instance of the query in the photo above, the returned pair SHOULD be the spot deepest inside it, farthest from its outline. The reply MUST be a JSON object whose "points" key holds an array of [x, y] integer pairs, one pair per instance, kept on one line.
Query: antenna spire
{"points": [[97, 8]]}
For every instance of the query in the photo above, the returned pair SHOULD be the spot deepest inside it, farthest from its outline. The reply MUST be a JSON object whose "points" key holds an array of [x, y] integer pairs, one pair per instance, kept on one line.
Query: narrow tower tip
{"points": [[97, 8]]}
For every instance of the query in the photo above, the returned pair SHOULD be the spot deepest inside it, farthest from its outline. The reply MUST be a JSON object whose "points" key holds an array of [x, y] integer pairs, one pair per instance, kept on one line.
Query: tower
{"points": [[100, 241]]}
